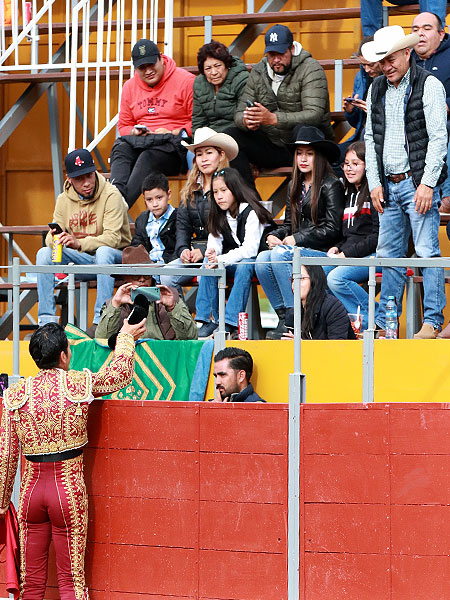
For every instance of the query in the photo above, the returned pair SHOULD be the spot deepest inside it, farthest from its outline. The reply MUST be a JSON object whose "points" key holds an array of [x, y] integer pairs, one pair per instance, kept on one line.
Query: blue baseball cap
{"points": [[79, 162], [278, 39]]}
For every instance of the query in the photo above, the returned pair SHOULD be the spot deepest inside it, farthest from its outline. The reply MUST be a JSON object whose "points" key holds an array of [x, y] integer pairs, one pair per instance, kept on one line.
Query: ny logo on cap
{"points": [[273, 37], [79, 162], [142, 50]]}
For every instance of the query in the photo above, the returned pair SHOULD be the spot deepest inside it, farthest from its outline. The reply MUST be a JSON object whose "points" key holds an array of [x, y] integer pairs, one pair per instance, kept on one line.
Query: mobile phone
{"points": [[250, 103], [350, 100], [151, 293], [56, 227], [141, 127], [4, 382]]}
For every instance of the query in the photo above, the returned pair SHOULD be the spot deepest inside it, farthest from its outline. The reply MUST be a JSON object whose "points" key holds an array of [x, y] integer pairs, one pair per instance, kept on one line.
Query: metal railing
{"points": [[93, 270], [22, 53], [94, 42], [371, 262], [97, 95]]}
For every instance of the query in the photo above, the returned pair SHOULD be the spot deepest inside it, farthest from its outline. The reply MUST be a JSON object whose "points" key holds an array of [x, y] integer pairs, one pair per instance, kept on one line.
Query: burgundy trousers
{"points": [[53, 506]]}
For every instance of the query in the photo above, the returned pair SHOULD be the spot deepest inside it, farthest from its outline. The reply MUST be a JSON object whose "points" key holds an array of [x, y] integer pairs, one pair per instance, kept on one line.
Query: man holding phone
{"points": [[286, 89], [91, 222], [155, 115], [355, 107], [168, 317]]}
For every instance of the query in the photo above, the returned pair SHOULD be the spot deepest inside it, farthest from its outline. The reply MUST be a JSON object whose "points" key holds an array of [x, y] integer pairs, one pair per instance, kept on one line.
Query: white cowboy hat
{"points": [[386, 41], [205, 136]]}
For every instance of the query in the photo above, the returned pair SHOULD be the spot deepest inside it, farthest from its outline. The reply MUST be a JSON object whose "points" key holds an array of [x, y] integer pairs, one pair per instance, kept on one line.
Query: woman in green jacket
{"points": [[218, 87]]}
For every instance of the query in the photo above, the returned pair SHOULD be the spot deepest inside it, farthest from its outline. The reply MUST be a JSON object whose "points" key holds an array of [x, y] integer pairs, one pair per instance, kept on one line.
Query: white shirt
{"points": [[252, 238]]}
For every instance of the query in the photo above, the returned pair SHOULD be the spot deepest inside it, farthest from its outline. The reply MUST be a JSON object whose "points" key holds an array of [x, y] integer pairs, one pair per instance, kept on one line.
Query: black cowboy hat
{"points": [[308, 135]]}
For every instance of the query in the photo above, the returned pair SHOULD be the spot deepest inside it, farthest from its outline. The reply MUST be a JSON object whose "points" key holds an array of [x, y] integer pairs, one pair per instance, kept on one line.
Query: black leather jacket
{"points": [[331, 320], [191, 223], [328, 230]]}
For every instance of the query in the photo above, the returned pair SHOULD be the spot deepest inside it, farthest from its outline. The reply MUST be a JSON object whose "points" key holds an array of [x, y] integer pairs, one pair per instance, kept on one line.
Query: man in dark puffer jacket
{"points": [[287, 88]]}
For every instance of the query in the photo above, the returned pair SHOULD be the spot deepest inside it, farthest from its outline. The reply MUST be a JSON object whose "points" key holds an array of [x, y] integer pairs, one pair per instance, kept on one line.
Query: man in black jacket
{"points": [[233, 368], [156, 227], [432, 53]]}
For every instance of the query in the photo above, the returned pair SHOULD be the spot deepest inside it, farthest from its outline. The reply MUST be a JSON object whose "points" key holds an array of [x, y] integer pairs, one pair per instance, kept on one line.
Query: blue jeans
{"points": [[445, 187], [207, 303], [46, 281], [176, 281], [276, 278], [372, 12], [397, 222]]}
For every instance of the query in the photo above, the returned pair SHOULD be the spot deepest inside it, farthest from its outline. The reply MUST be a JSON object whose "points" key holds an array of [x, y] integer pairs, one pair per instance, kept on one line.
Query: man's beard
{"points": [[285, 71]]}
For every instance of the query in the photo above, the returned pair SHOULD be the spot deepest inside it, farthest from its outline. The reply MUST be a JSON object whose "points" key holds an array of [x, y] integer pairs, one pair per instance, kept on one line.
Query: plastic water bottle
{"points": [[391, 319]]}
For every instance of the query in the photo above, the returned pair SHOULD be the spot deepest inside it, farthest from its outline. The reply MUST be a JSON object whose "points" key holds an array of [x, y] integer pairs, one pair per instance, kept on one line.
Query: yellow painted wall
{"points": [[405, 370], [27, 365]]}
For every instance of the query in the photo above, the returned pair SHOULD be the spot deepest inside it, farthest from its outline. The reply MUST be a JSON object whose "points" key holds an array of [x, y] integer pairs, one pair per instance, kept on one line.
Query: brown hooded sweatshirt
{"points": [[98, 221]]}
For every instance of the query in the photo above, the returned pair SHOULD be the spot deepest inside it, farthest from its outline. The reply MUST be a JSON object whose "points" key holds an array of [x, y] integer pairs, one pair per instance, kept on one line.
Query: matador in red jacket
{"points": [[48, 415]]}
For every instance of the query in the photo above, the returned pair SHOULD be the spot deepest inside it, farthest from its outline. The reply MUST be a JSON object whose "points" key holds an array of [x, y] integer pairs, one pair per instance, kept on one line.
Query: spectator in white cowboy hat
{"points": [[212, 151], [406, 101]]}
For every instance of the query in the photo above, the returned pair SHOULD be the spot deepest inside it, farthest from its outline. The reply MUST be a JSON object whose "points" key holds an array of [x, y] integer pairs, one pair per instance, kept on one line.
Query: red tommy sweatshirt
{"points": [[168, 104]]}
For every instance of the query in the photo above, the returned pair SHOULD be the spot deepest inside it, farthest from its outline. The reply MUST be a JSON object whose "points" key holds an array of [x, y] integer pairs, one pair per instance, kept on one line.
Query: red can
{"points": [[243, 326]]}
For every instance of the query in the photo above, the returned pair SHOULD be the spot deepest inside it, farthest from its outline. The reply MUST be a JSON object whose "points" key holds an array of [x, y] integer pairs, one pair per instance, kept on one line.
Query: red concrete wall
{"points": [[190, 501]]}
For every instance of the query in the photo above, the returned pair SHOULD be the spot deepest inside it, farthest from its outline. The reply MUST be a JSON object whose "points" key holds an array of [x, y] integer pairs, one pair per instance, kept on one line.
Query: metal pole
{"points": [[207, 19], [34, 39], [83, 317], [338, 84], [219, 336], [296, 278], [296, 397], [168, 28], [55, 139], [16, 317], [368, 345], [71, 299]]}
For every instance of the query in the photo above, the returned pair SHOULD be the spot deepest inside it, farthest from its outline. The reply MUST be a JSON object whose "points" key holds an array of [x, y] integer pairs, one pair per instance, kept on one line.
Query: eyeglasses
{"points": [[291, 278], [355, 164]]}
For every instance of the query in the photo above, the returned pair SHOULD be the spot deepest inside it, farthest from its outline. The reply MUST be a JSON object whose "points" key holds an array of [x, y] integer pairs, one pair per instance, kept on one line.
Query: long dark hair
{"points": [[359, 148], [321, 168], [314, 299], [217, 220]]}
